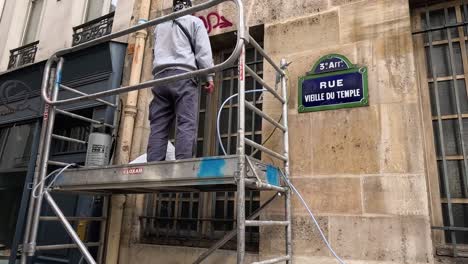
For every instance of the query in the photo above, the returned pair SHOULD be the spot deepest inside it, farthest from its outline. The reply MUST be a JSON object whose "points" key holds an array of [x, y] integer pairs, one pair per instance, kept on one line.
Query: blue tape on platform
{"points": [[211, 168], [272, 175]]}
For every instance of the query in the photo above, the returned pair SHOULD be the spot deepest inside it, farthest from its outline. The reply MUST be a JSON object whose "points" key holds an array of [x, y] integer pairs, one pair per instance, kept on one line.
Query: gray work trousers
{"points": [[177, 100]]}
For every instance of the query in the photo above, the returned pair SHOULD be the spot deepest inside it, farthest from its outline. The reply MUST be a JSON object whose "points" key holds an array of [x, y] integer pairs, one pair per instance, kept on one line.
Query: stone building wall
{"points": [[362, 170]]}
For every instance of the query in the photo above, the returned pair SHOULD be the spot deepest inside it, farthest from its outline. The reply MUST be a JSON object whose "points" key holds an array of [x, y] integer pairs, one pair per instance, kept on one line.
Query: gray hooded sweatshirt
{"points": [[172, 48]]}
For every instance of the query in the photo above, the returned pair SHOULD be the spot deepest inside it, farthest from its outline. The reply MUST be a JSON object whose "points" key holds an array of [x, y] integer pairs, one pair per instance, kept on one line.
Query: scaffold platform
{"points": [[200, 174]]}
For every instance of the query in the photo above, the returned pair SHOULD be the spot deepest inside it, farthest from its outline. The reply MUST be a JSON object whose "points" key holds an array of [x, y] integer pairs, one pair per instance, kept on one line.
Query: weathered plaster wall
{"points": [[55, 29], [361, 170]]}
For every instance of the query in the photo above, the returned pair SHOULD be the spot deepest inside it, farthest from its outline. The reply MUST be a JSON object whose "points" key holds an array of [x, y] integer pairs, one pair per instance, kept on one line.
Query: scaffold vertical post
{"points": [[50, 118], [242, 169], [284, 91]]}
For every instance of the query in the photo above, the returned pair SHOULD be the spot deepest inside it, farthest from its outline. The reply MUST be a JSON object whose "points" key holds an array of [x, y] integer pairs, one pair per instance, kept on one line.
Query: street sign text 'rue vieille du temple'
{"points": [[333, 83]]}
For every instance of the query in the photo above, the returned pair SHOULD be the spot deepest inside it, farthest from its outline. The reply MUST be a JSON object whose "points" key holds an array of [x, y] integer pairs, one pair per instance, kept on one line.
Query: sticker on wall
{"points": [[333, 83]]}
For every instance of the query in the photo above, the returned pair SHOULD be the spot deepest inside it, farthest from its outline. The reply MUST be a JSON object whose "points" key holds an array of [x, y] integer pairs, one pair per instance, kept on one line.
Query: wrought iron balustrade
{"points": [[93, 29], [22, 55]]}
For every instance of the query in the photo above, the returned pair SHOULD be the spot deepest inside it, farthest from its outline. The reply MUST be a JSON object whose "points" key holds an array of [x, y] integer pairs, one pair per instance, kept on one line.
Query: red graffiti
{"points": [[221, 21]]}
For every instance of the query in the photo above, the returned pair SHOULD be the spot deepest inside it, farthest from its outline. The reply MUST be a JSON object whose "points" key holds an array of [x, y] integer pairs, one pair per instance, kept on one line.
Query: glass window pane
{"points": [[11, 186], [94, 9], [465, 133], [233, 147], [30, 34], [460, 217], [455, 176], [71, 128], [203, 98], [224, 143], [2, 5], [201, 125], [464, 11], [249, 116], [226, 88], [250, 56], [447, 97], [451, 136], [438, 19], [440, 56], [224, 120], [437, 143], [16, 151], [200, 148]]}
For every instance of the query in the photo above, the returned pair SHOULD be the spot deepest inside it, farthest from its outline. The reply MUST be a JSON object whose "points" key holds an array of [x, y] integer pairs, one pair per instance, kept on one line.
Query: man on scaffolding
{"points": [[180, 45]]}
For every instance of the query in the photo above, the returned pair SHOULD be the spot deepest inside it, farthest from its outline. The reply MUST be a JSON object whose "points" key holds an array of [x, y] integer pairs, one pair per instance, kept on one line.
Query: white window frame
{"points": [[28, 16], [104, 11], [2, 6]]}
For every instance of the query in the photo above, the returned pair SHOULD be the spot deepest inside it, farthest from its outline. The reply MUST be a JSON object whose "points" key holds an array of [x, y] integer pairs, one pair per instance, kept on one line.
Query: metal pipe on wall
{"points": [[128, 124], [130, 107]]}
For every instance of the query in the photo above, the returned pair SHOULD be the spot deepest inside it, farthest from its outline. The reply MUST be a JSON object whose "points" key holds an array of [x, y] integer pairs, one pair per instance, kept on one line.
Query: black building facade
{"points": [[21, 109]]}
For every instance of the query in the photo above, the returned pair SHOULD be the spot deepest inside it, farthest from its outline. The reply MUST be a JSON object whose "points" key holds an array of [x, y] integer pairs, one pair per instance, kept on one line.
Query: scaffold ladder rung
{"points": [[275, 260], [264, 84], [265, 116], [266, 150], [74, 218], [266, 223], [65, 246], [82, 118], [57, 163], [255, 184], [73, 140]]}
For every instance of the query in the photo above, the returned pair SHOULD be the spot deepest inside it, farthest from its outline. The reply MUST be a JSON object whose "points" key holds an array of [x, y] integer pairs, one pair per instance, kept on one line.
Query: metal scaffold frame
{"points": [[51, 86]]}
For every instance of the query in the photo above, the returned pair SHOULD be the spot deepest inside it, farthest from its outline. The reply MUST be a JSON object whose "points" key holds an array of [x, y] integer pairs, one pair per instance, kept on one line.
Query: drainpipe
{"points": [[128, 122], [140, 124], [130, 108]]}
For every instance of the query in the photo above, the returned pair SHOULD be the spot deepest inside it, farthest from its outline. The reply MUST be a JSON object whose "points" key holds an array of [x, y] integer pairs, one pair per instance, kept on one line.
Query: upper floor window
{"points": [[93, 29], [98, 8], [441, 39], [32, 24]]}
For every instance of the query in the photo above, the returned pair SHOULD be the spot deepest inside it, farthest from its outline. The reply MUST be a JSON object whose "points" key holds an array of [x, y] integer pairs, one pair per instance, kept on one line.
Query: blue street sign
{"points": [[333, 83]]}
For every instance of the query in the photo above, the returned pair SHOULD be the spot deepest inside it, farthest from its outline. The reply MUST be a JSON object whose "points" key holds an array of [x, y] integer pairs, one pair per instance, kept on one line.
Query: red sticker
{"points": [[46, 112], [132, 170], [241, 67]]}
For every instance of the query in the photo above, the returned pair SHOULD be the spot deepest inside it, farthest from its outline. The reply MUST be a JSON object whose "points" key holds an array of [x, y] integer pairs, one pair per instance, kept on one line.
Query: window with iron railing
{"points": [[97, 8], [23, 55], [93, 29], [442, 37], [198, 219]]}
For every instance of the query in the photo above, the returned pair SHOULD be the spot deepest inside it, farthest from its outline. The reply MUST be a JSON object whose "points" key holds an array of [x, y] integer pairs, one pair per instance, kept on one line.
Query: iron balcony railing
{"points": [[93, 29], [22, 55]]}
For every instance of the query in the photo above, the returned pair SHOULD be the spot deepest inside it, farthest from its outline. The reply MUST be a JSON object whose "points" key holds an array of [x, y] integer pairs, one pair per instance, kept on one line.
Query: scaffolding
{"points": [[235, 172]]}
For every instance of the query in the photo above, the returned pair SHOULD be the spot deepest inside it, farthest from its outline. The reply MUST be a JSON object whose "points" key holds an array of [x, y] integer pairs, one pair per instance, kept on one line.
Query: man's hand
{"points": [[209, 87]]}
